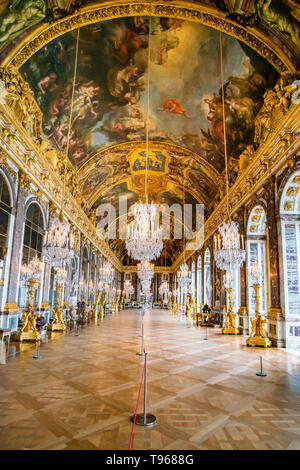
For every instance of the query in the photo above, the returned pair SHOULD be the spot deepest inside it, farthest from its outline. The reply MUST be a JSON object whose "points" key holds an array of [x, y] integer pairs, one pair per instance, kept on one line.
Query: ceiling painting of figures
{"points": [[110, 101]]}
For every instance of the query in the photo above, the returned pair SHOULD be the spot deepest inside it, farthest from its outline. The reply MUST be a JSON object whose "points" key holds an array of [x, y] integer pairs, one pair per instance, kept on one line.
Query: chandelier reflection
{"points": [[184, 276], [106, 273], [32, 270]]}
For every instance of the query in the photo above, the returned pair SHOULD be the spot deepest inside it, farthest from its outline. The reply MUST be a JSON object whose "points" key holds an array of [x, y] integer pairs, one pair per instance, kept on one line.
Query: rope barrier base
{"points": [[150, 419]]}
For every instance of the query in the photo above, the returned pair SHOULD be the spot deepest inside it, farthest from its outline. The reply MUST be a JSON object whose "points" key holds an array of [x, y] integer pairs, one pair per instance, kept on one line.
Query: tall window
{"points": [[207, 277], [236, 290], [193, 278], [5, 211], [85, 273], [199, 280], [290, 226], [256, 254], [32, 243]]}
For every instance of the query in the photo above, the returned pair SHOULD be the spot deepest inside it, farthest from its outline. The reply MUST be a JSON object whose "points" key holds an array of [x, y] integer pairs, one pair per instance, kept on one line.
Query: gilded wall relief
{"points": [[110, 95]]}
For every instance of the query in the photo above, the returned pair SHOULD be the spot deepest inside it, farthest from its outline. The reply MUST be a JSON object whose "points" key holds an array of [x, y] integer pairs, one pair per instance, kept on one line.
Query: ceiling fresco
{"points": [[167, 165], [110, 96]]}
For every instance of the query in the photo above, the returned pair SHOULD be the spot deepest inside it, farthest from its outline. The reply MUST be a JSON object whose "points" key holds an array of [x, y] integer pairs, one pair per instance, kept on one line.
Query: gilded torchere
{"points": [[258, 335], [29, 331], [193, 300], [230, 319], [57, 323], [94, 312], [187, 306], [101, 309]]}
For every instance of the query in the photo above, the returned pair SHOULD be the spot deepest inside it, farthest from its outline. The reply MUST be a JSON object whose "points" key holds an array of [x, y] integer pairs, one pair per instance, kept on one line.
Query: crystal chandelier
{"points": [[144, 241], [128, 287], [146, 287], [106, 273], [145, 271], [59, 242], [184, 276], [32, 270], [229, 250], [255, 273], [163, 288], [61, 275]]}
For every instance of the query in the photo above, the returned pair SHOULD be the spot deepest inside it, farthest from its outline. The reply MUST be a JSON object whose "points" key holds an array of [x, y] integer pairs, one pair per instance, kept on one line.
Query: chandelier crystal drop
{"points": [[184, 276], [144, 241], [59, 242], [32, 270], [229, 250], [106, 273]]}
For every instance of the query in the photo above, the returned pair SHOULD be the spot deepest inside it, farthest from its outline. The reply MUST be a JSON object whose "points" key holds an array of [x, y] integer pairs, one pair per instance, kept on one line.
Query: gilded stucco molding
{"points": [[254, 178], [176, 9], [34, 168]]}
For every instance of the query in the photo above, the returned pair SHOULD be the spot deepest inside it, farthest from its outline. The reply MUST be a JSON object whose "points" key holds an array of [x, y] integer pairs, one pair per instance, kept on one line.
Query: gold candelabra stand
{"points": [[193, 300], [57, 323], [102, 304], [122, 302], [175, 305], [94, 311], [187, 306], [29, 331], [230, 319], [258, 335], [170, 306]]}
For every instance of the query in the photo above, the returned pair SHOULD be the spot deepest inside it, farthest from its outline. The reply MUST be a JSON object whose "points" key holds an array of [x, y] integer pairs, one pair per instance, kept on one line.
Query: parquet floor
{"points": [[205, 394]]}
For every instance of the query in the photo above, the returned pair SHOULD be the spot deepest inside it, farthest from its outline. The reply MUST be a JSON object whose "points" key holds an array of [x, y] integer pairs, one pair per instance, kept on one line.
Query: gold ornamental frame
{"points": [[197, 13]]}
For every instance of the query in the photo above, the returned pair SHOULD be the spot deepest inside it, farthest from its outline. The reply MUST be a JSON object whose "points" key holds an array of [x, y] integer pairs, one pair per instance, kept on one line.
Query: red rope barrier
{"points": [[137, 405]]}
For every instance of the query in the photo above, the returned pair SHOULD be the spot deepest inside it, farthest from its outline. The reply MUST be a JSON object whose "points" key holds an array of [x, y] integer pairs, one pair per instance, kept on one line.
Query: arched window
{"points": [[256, 254], [236, 290], [92, 282], [290, 229], [85, 273], [5, 210], [207, 277], [193, 278], [32, 242], [199, 280]]}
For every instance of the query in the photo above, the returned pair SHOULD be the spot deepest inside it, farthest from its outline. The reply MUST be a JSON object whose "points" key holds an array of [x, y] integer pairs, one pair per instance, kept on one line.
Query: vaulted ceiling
{"points": [[108, 124]]}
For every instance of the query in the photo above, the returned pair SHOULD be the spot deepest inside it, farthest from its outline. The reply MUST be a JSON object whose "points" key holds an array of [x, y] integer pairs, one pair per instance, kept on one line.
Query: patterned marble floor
{"points": [[205, 394]]}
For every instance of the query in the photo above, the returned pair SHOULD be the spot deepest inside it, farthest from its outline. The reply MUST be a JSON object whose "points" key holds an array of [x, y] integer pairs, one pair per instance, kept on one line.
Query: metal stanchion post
{"points": [[37, 355], [141, 353], [78, 330], [206, 335], [261, 373], [144, 419]]}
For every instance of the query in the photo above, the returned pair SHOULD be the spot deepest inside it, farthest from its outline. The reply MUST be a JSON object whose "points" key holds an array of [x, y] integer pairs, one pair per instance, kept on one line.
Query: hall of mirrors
{"points": [[156, 109]]}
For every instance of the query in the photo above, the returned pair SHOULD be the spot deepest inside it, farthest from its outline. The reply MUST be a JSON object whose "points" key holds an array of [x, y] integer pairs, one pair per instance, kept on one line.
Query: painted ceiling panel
{"points": [[110, 95]]}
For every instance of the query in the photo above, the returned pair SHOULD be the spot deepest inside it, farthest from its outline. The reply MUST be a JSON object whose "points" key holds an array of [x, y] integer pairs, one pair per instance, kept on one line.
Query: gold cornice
{"points": [[274, 155], [163, 145], [90, 14], [39, 171]]}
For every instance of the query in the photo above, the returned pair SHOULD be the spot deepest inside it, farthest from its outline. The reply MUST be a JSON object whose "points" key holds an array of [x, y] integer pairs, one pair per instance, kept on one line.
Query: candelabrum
{"points": [[102, 305], [230, 317], [193, 301], [187, 306], [94, 311], [29, 331], [170, 305], [31, 273], [258, 335], [58, 323]]}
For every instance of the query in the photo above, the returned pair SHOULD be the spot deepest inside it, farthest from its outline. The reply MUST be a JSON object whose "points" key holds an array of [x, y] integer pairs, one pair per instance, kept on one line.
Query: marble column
{"points": [[275, 316], [16, 255]]}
